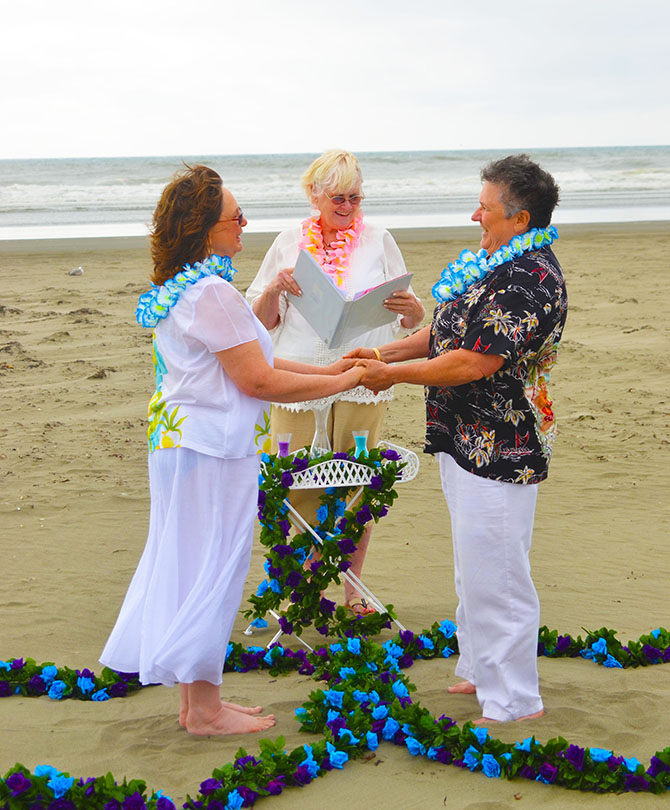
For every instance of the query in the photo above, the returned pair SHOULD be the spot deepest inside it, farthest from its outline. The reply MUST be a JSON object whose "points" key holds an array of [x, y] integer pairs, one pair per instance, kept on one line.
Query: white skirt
{"points": [[178, 614]]}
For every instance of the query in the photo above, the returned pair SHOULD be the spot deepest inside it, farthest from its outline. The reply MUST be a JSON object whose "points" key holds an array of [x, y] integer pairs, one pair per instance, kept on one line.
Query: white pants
{"points": [[498, 612]]}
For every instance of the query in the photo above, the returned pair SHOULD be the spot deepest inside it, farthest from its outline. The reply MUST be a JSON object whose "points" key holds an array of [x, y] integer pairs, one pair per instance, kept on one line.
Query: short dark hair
{"points": [[525, 186], [189, 207]]}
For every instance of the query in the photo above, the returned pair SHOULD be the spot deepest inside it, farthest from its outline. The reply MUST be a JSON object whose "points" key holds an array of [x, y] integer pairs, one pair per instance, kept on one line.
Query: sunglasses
{"points": [[239, 218], [339, 199]]}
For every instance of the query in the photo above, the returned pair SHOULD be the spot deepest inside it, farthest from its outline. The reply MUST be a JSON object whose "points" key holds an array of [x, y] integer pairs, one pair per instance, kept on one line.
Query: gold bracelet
{"points": [[378, 354]]}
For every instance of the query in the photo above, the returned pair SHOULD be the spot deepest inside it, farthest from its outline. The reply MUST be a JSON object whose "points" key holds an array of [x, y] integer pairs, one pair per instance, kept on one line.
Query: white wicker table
{"points": [[342, 473]]}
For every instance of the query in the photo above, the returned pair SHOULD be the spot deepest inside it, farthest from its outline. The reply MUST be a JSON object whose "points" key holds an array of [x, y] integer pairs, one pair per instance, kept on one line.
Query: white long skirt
{"points": [[178, 614]]}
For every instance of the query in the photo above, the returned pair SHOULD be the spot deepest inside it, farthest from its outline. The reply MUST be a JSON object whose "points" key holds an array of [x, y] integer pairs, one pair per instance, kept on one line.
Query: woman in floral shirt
{"points": [[489, 422]]}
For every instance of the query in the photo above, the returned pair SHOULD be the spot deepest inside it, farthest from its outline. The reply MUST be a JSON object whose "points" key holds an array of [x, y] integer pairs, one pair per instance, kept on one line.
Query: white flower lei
{"points": [[159, 300], [472, 267]]}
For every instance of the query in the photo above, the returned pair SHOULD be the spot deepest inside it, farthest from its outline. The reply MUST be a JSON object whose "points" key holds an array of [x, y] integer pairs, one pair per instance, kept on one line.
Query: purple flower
{"points": [[651, 653], [323, 629], [286, 479], [18, 663], [405, 661], [113, 804], [286, 626], [364, 515], [296, 596], [345, 565], [284, 527], [383, 511], [326, 605], [247, 794], [165, 803], [276, 786], [341, 455], [406, 637], [563, 643], [283, 550], [575, 755], [336, 724], [118, 689], [294, 579], [209, 786], [347, 545], [36, 684], [300, 463], [242, 761], [86, 673], [443, 755], [5, 689], [656, 766], [391, 455], [635, 783], [302, 776], [376, 482], [134, 802], [342, 525], [18, 783], [314, 567], [548, 773], [262, 497], [528, 773], [62, 804]]}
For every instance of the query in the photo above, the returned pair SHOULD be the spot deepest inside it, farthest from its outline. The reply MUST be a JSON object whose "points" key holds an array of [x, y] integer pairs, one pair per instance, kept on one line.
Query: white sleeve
{"points": [[221, 319], [271, 265], [394, 266]]}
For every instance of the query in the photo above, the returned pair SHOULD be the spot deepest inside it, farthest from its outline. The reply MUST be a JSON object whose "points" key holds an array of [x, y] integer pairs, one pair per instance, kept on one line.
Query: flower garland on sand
{"points": [[472, 267], [368, 701], [334, 259], [159, 300]]}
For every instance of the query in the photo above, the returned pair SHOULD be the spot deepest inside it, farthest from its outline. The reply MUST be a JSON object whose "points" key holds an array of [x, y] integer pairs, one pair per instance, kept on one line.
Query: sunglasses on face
{"points": [[339, 199]]}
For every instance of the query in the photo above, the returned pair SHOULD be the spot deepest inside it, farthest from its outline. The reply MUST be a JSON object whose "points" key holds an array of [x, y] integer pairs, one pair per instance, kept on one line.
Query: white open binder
{"points": [[335, 317]]}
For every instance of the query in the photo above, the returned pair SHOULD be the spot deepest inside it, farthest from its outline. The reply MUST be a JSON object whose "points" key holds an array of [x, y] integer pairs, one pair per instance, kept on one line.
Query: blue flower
{"points": [[57, 690], [481, 734], [100, 695], [446, 652], [600, 754], [85, 684], [262, 588], [301, 711], [632, 764], [46, 770], [490, 766], [334, 697], [337, 758], [49, 673], [372, 740], [447, 628], [374, 696], [60, 784], [611, 663], [335, 648], [380, 712], [359, 695], [346, 732], [656, 633], [524, 745], [5, 665], [345, 672], [322, 513], [235, 800], [353, 646], [471, 758], [400, 690], [311, 765], [415, 747], [391, 727], [426, 643], [393, 649], [600, 647], [275, 586]]}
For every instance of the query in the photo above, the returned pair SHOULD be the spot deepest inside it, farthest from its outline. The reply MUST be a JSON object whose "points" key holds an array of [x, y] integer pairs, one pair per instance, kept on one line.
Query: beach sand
{"points": [[75, 372]]}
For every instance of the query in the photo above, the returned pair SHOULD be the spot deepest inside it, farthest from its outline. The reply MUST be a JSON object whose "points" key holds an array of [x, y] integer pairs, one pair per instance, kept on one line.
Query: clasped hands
{"points": [[376, 375]]}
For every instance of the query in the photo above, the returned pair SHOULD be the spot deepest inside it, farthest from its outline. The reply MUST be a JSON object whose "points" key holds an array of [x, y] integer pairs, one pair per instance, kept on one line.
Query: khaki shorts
{"points": [[344, 417]]}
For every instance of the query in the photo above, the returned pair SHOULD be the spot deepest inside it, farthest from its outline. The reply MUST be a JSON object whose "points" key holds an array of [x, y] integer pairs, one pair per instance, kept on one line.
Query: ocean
{"points": [[79, 197]]}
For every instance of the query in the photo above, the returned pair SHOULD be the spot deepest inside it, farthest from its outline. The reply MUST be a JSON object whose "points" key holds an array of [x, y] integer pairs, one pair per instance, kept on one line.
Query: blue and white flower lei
{"points": [[157, 302], [472, 267]]}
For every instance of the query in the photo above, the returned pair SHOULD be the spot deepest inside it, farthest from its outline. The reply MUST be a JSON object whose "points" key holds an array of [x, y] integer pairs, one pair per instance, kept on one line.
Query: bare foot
{"points": [[242, 709], [462, 688], [359, 606], [227, 721], [483, 721], [533, 716]]}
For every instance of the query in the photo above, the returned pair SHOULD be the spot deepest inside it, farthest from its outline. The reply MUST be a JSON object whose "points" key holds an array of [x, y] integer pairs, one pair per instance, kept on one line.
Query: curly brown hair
{"points": [[189, 207]]}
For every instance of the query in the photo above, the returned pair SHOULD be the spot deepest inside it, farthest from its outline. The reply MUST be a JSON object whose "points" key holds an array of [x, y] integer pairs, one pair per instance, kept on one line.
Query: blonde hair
{"points": [[335, 170]]}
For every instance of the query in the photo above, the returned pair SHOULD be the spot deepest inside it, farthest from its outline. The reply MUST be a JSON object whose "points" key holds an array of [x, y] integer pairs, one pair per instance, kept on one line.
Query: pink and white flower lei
{"points": [[334, 260]]}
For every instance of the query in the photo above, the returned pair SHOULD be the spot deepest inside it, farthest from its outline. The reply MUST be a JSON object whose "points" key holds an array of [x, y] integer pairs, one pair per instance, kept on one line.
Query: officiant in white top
{"points": [[356, 255]]}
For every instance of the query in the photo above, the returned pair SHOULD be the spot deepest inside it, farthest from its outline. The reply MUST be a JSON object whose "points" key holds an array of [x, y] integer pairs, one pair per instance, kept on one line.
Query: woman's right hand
{"points": [[284, 282], [362, 353]]}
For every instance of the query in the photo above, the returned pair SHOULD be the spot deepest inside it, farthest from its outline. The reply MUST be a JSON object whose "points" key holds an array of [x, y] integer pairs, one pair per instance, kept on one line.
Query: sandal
{"points": [[360, 606]]}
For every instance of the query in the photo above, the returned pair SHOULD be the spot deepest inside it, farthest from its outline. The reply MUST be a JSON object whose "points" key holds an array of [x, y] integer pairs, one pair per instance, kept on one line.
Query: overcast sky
{"points": [[149, 77]]}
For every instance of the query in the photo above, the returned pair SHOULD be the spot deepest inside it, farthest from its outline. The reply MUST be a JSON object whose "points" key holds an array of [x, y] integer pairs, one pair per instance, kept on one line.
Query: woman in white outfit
{"points": [[214, 369], [356, 255]]}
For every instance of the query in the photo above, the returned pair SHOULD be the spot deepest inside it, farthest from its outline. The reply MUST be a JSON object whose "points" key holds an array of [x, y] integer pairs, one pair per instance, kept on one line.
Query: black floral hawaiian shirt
{"points": [[501, 427]]}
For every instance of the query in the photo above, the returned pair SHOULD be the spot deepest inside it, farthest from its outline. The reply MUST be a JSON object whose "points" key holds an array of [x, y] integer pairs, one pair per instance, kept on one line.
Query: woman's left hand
{"points": [[408, 305], [339, 366]]}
